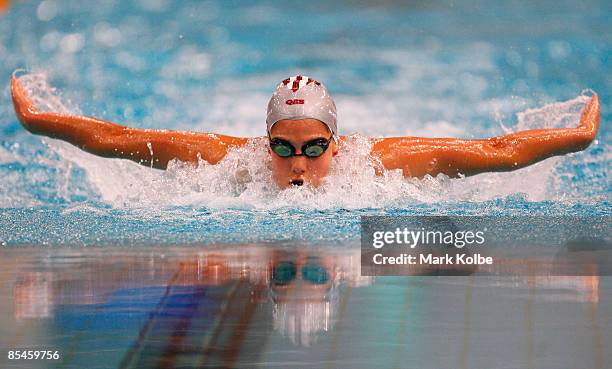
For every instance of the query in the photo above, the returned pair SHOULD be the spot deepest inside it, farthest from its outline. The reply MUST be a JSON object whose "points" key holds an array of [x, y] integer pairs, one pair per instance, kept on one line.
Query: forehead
{"points": [[300, 129]]}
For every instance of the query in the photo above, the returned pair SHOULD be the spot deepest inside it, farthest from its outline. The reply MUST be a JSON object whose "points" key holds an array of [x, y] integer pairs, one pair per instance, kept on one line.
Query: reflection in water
{"points": [[304, 290], [32, 295], [208, 299], [234, 306]]}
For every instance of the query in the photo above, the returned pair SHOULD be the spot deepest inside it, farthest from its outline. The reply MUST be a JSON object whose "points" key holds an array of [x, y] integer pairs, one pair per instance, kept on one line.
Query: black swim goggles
{"points": [[311, 149]]}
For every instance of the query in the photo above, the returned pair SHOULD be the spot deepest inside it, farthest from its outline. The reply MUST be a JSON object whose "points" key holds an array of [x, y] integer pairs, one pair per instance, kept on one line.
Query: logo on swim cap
{"points": [[294, 83], [294, 101]]}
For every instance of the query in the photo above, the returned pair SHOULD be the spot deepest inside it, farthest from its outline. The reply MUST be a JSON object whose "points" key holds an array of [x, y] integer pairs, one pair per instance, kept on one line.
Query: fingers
{"points": [[21, 99], [16, 86], [592, 105]]}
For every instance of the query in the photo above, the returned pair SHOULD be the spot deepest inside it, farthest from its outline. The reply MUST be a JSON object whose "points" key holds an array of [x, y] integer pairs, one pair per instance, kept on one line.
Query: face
{"points": [[299, 170]]}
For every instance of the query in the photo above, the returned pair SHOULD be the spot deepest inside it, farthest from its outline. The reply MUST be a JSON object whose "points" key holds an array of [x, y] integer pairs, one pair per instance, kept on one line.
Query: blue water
{"points": [[438, 68], [197, 289]]}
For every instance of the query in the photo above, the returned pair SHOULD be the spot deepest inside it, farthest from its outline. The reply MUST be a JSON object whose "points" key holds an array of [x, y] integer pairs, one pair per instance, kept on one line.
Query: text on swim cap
{"points": [[294, 101]]}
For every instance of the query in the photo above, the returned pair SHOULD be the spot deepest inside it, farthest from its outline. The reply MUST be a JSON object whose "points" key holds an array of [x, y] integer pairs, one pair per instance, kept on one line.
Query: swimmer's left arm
{"points": [[418, 157]]}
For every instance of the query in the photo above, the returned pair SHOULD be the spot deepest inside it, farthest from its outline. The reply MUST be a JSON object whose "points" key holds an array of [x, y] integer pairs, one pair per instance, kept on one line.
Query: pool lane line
{"points": [[403, 321], [467, 323], [216, 324], [338, 328], [126, 362], [228, 355], [181, 330], [233, 349]]}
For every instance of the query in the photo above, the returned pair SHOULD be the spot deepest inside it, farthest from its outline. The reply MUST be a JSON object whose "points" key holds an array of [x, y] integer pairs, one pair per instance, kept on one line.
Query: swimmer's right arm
{"points": [[111, 140]]}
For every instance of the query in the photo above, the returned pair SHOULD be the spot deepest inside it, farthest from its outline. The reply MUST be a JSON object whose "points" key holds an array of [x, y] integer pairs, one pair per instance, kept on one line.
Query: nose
{"points": [[298, 165]]}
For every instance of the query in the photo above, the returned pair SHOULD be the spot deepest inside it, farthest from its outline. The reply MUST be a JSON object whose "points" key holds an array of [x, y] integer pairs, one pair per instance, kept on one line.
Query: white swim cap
{"points": [[300, 97]]}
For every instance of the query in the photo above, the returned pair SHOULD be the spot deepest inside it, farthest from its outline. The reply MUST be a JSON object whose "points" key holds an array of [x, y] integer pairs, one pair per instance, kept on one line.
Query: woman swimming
{"points": [[303, 138]]}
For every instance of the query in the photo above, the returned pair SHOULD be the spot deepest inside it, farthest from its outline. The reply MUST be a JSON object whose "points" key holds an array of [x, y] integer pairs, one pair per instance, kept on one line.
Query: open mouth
{"points": [[296, 182]]}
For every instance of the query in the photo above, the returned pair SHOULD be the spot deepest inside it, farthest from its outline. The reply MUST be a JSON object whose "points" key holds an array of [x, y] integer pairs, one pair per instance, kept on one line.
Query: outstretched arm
{"points": [[454, 157], [148, 147]]}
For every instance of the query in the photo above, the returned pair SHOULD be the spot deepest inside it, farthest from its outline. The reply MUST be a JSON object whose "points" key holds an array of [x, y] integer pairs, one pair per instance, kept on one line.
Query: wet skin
{"points": [[415, 156], [297, 170]]}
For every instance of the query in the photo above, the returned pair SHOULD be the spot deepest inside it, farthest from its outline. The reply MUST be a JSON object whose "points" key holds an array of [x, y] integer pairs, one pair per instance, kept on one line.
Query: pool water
{"points": [[432, 69], [84, 238]]}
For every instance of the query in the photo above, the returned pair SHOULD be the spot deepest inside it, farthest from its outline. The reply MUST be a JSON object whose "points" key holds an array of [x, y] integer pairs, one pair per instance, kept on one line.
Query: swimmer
{"points": [[303, 138]]}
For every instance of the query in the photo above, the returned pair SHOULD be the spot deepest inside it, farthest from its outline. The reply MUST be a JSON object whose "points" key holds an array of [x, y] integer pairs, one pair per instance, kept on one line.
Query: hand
{"points": [[24, 107], [589, 121]]}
